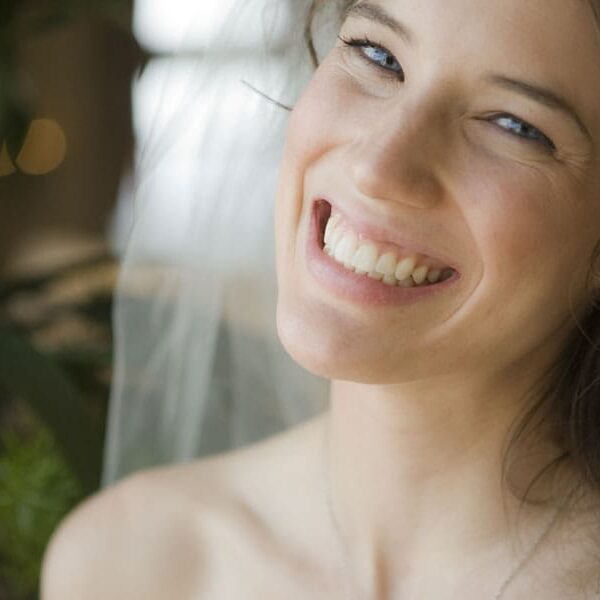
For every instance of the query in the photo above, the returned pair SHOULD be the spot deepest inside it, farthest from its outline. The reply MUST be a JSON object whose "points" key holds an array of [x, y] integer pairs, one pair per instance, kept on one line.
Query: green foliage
{"points": [[53, 396], [37, 489], [39, 380]]}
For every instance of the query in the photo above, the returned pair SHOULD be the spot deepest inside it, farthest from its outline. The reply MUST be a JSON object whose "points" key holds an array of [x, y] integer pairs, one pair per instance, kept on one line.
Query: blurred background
{"points": [[81, 83], [66, 139]]}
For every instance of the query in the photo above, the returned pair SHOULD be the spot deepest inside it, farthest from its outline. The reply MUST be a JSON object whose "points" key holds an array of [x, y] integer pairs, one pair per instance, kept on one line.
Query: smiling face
{"points": [[463, 134]]}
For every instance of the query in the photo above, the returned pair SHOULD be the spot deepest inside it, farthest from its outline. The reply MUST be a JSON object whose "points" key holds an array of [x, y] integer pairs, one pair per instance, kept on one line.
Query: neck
{"points": [[415, 473]]}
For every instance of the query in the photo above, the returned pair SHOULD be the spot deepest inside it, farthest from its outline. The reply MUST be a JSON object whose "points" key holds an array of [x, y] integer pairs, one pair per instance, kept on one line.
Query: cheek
{"points": [[312, 131], [535, 240], [325, 116], [521, 223]]}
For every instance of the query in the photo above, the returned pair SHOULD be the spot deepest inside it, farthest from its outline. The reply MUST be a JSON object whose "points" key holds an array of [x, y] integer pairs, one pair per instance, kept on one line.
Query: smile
{"points": [[364, 269], [383, 262]]}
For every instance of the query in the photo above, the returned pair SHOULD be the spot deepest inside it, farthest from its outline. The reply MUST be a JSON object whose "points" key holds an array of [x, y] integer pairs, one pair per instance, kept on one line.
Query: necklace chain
{"points": [[349, 592]]}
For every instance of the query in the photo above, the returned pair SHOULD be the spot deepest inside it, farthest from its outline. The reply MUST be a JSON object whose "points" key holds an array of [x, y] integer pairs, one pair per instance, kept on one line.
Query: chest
{"points": [[238, 563]]}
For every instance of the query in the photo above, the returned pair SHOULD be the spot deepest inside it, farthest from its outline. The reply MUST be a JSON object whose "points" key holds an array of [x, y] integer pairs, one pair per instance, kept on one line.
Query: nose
{"points": [[394, 157]]}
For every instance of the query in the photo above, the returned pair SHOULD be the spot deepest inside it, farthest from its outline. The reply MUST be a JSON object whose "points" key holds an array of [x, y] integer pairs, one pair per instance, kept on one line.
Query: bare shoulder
{"points": [[181, 531], [140, 538]]}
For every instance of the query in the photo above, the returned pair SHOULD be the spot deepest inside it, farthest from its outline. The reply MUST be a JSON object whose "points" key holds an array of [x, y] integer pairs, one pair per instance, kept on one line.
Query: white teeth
{"points": [[390, 279], [386, 265], [434, 275], [340, 250], [405, 268], [345, 247], [335, 237], [420, 275], [365, 259], [329, 229]]}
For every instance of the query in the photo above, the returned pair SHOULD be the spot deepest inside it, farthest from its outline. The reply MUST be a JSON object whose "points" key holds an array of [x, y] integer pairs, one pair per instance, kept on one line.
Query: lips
{"points": [[376, 234], [361, 287]]}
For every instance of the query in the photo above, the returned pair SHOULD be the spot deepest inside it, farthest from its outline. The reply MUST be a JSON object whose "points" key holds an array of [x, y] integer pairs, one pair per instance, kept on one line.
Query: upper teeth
{"points": [[366, 258]]}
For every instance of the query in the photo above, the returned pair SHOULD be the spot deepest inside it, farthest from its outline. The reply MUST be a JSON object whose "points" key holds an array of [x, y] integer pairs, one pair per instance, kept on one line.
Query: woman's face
{"points": [[459, 135]]}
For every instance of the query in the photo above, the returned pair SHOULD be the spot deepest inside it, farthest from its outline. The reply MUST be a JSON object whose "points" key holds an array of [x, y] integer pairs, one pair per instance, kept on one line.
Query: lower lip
{"points": [[360, 289]]}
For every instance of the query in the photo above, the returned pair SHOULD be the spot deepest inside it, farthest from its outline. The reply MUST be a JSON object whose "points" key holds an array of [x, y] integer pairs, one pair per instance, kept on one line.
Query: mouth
{"points": [[386, 262]]}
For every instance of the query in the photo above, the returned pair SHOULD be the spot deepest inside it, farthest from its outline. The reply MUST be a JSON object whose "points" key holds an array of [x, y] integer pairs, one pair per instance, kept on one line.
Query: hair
{"points": [[565, 403]]}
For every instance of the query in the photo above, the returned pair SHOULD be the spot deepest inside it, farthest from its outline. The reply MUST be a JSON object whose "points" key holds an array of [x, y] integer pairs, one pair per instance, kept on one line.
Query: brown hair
{"points": [[566, 402]]}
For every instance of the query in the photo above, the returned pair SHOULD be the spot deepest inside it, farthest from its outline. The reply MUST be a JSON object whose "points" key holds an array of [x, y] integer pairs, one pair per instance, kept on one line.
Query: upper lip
{"points": [[390, 229]]}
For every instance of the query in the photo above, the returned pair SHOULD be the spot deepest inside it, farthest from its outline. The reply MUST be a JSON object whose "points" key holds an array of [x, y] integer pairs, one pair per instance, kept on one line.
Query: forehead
{"points": [[538, 25], [553, 42]]}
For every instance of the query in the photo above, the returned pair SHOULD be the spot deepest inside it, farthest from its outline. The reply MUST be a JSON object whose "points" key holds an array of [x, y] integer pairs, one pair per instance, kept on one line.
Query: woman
{"points": [[436, 225]]}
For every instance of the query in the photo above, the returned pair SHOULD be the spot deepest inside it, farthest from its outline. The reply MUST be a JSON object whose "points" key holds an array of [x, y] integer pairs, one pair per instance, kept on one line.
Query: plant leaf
{"points": [[37, 379]]}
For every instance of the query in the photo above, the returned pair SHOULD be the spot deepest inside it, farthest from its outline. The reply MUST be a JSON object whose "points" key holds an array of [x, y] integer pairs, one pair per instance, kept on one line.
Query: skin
{"points": [[423, 394]]}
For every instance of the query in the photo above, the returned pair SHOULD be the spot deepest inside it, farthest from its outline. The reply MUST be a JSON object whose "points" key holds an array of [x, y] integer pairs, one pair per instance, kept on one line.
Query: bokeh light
{"points": [[44, 148]]}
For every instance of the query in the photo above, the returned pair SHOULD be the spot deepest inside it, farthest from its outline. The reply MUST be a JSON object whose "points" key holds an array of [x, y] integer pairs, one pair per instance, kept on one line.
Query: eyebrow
{"points": [[539, 94], [376, 13]]}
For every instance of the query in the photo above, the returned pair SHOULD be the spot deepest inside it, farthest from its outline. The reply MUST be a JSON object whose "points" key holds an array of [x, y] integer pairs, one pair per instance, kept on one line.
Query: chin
{"points": [[331, 351]]}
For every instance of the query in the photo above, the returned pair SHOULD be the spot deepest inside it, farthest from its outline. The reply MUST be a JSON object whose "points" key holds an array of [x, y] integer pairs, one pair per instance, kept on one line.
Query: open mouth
{"points": [[382, 261]]}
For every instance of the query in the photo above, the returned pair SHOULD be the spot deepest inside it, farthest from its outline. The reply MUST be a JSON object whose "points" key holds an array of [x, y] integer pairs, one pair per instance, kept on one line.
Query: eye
{"points": [[524, 130], [375, 55]]}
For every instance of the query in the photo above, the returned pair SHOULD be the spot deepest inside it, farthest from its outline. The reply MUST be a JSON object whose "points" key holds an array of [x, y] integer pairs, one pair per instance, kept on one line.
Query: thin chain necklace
{"points": [[342, 545]]}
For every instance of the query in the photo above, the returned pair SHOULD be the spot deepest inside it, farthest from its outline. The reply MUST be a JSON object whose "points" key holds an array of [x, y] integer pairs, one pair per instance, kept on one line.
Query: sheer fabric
{"points": [[198, 366]]}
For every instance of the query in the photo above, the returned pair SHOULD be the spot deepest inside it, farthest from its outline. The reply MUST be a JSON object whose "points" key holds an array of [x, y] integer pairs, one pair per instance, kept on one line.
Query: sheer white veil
{"points": [[198, 367]]}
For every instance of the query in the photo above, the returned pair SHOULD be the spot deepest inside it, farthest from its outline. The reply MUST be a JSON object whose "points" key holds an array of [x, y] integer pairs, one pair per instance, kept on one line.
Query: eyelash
{"points": [[359, 44]]}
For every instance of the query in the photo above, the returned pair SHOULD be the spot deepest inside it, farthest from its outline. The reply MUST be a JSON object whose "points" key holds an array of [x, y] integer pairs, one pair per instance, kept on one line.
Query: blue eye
{"points": [[381, 58], [376, 55], [524, 130]]}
